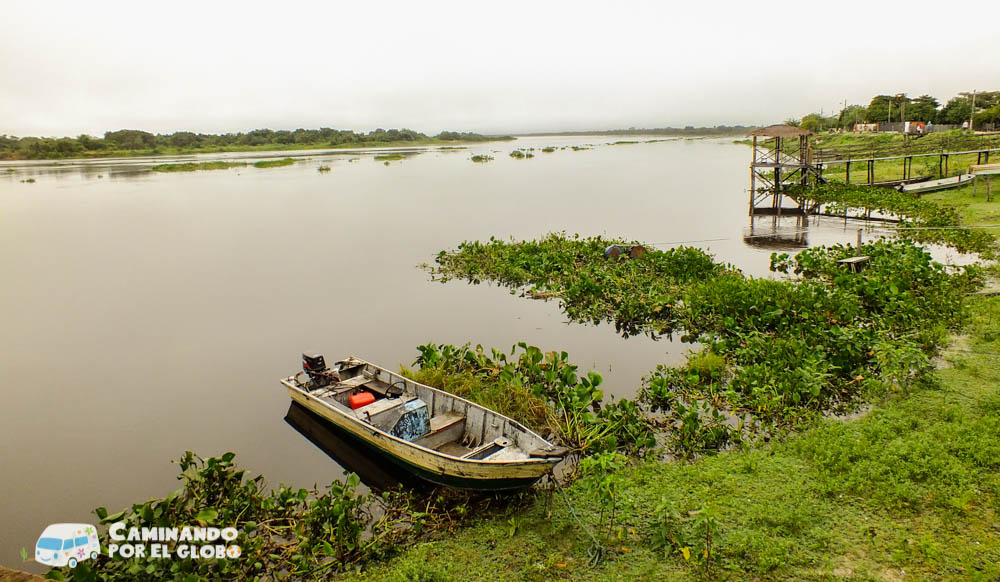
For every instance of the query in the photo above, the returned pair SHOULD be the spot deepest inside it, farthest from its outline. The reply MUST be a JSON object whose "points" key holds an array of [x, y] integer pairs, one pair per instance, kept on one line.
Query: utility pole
{"points": [[972, 110]]}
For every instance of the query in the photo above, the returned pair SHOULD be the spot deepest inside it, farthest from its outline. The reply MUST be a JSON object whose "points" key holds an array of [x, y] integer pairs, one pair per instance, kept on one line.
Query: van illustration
{"points": [[63, 544]]}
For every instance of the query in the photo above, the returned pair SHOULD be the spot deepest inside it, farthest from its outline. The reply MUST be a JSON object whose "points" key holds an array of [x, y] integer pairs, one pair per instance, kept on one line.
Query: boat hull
{"points": [[427, 464]]}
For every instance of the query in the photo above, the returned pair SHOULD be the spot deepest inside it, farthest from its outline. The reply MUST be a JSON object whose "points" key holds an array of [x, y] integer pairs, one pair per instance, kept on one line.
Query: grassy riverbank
{"points": [[908, 490], [14, 153]]}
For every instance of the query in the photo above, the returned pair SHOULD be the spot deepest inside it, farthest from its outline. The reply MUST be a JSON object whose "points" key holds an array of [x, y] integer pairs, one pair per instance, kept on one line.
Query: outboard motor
{"points": [[314, 364]]}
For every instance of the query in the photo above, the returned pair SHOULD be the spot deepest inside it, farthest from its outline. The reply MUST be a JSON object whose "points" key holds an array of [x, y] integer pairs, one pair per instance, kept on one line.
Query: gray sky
{"points": [[88, 67]]}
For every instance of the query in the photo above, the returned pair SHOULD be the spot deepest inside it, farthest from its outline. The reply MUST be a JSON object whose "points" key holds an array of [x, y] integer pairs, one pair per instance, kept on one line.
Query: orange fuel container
{"points": [[361, 399]]}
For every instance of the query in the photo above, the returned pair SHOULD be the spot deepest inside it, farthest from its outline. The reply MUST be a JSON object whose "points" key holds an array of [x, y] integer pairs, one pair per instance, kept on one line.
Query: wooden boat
{"points": [[437, 436]]}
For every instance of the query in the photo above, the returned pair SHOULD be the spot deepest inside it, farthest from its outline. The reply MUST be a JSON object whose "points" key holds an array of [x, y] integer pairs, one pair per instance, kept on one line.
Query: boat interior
{"points": [[425, 416]]}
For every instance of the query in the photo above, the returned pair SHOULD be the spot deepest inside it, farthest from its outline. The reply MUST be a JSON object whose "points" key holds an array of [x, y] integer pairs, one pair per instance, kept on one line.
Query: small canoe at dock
{"points": [[934, 185], [437, 436]]}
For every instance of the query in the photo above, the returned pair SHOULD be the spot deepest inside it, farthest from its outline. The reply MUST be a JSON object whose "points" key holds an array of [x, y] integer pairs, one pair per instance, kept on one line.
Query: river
{"points": [[146, 313]]}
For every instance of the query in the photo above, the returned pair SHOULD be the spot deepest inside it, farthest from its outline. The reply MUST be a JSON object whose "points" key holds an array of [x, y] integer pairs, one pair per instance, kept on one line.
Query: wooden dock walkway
{"points": [[784, 159], [982, 157]]}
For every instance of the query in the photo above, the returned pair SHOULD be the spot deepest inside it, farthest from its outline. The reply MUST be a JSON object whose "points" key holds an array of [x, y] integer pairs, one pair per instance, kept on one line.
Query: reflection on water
{"points": [[149, 313], [377, 473], [769, 232]]}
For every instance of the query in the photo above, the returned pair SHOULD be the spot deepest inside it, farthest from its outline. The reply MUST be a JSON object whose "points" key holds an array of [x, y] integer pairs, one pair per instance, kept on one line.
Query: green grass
{"points": [[911, 487], [389, 157], [193, 166], [514, 401], [274, 163], [936, 140], [971, 204], [890, 170]]}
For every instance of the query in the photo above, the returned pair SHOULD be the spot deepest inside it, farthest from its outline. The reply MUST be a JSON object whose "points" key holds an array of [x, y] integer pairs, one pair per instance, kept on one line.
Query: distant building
{"points": [[865, 127], [914, 128]]}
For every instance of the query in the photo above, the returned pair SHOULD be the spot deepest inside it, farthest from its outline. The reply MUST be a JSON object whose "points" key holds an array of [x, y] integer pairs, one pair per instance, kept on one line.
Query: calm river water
{"points": [[145, 314]]}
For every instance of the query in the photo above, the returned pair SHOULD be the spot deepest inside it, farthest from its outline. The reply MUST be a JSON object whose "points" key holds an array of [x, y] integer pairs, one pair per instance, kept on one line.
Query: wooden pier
{"points": [[982, 157], [779, 163]]}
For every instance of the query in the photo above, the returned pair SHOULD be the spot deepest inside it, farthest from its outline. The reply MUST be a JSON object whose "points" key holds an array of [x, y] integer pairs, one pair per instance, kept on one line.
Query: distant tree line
{"points": [[134, 141], [900, 107], [672, 131]]}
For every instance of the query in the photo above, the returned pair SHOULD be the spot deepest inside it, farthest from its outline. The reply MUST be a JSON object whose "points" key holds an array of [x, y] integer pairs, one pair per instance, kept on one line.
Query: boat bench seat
{"points": [[445, 428]]}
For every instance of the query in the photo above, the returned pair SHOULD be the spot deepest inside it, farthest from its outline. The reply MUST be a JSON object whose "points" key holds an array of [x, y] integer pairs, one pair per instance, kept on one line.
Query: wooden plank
{"points": [[940, 184], [984, 169], [445, 428]]}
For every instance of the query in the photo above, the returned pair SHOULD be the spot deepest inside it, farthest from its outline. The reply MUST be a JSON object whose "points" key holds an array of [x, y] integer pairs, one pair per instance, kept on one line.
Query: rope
{"points": [[596, 550]]}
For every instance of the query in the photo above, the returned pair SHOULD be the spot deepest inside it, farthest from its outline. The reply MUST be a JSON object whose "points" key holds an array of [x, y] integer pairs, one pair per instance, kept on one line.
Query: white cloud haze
{"points": [[73, 67]]}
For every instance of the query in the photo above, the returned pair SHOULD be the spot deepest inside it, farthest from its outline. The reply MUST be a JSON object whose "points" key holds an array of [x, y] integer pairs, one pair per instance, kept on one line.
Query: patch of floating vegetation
{"points": [[548, 149], [389, 157], [274, 163], [28, 181], [580, 148], [624, 142], [196, 166], [521, 154], [453, 148], [11, 170], [481, 158], [780, 351], [323, 168]]}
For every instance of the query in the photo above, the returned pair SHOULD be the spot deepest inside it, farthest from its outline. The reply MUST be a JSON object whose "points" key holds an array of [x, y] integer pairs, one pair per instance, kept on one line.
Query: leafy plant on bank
{"points": [[543, 391], [604, 484], [283, 532], [691, 535]]}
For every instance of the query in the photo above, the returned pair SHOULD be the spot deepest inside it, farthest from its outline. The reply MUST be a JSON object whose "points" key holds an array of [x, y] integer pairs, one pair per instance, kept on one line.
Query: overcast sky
{"points": [[489, 66]]}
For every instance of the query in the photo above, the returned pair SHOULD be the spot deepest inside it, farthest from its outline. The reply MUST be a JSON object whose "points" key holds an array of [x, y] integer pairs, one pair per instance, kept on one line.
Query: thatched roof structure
{"points": [[779, 131]]}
